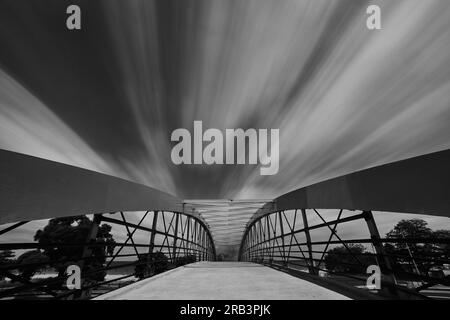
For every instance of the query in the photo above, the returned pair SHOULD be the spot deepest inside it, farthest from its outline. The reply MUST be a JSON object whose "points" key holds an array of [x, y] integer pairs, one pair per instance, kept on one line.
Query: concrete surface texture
{"points": [[222, 280]]}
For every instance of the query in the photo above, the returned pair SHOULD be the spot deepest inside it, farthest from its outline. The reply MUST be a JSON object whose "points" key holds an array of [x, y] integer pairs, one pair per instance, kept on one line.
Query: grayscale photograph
{"points": [[222, 157]]}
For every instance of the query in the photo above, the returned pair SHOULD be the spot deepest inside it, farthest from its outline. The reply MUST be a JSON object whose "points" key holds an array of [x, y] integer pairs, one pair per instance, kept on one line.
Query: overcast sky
{"points": [[107, 97]]}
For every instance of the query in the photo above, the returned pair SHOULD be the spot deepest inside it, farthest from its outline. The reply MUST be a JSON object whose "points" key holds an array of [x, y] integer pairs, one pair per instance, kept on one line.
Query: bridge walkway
{"points": [[222, 281]]}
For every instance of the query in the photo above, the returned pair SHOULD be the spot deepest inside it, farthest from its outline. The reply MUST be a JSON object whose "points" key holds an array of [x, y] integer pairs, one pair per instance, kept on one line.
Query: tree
{"points": [[6, 258], [352, 260], [404, 256], [444, 247], [413, 228], [442, 250], [30, 262], [416, 256], [71, 230]]}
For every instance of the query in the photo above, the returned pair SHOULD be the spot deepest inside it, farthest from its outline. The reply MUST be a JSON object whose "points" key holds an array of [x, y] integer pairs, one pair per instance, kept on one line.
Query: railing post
{"points": [[312, 268], [211, 246], [282, 237], [152, 241], [208, 247], [152, 236], [264, 233], [200, 243], [243, 245], [195, 239], [257, 247], [383, 260], [269, 239], [251, 243], [203, 242], [175, 237], [188, 243], [255, 243], [92, 235]]}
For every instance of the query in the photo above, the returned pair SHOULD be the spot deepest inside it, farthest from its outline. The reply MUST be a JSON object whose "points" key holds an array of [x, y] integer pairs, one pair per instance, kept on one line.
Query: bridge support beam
{"points": [[174, 252], [152, 236], [87, 251], [282, 237], [311, 267], [383, 260]]}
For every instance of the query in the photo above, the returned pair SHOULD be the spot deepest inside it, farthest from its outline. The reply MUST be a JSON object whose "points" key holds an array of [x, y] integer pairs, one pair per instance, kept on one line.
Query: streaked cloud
{"points": [[344, 98]]}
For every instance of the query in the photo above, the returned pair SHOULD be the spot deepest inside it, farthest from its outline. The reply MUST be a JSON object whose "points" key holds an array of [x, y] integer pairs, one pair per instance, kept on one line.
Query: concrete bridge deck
{"points": [[222, 281]]}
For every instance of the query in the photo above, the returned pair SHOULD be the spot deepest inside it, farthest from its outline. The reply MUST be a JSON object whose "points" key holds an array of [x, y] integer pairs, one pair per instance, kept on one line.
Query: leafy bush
{"points": [[31, 257], [351, 260], [151, 264], [181, 261]]}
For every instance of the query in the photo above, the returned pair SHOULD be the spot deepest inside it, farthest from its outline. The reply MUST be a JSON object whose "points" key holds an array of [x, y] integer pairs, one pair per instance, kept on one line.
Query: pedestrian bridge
{"points": [[283, 245]]}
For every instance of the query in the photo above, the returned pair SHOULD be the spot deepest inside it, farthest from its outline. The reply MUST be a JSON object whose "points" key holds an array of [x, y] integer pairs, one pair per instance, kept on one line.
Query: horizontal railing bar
{"points": [[28, 245], [383, 240], [12, 227], [423, 258]]}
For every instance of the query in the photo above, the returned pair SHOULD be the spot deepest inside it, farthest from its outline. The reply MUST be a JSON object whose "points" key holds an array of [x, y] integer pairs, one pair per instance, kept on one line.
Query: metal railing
{"points": [[182, 239], [280, 233], [32, 189]]}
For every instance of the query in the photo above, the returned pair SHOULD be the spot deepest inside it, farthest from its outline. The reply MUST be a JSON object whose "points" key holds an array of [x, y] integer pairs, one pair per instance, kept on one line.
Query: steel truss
{"points": [[273, 239], [181, 236]]}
